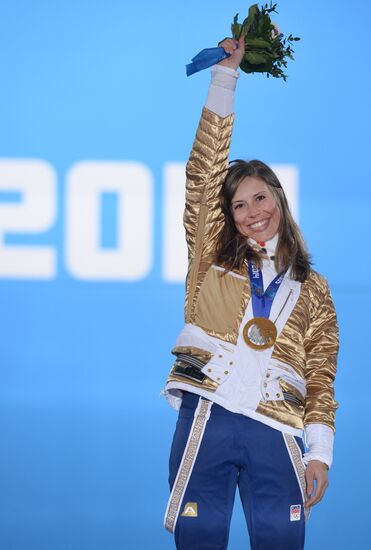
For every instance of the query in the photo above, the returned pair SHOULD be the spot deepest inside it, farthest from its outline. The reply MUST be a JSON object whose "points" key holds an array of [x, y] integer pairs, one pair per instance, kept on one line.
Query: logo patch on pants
{"points": [[295, 512], [190, 510]]}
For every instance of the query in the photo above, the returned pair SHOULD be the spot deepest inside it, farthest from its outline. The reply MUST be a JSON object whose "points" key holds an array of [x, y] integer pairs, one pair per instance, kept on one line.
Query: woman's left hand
{"points": [[316, 471], [236, 49]]}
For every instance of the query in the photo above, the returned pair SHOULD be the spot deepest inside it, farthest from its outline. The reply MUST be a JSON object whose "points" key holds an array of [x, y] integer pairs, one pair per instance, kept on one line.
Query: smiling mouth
{"points": [[262, 224]]}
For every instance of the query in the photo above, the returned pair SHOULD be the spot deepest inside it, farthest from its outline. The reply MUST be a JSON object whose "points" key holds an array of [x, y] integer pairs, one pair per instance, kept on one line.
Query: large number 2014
{"points": [[35, 182]]}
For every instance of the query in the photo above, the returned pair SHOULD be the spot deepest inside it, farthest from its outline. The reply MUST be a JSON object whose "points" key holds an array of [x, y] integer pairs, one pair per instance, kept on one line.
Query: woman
{"points": [[256, 360]]}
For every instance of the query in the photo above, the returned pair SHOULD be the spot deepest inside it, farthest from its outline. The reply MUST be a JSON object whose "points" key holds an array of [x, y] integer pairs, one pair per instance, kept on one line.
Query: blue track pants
{"points": [[235, 450]]}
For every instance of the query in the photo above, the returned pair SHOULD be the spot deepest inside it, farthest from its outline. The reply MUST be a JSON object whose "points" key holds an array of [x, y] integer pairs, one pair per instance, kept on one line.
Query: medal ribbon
{"points": [[262, 301], [206, 58]]}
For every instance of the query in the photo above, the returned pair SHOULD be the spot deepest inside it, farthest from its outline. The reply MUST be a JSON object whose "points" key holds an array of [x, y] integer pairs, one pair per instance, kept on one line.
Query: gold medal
{"points": [[260, 333]]}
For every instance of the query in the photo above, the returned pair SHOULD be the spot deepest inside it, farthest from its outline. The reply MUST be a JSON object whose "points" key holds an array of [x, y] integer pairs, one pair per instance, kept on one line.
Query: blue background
{"points": [[84, 437]]}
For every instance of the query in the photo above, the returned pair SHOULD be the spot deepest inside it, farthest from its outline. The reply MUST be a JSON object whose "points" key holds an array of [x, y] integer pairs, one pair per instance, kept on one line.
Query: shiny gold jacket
{"points": [[216, 304]]}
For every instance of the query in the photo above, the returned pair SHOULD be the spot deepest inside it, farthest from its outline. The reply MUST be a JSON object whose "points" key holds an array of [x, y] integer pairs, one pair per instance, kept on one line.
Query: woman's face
{"points": [[254, 210]]}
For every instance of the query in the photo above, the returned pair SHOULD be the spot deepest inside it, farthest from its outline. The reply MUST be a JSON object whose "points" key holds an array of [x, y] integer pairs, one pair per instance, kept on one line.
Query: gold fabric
{"points": [[282, 411], [217, 302], [219, 292], [198, 353], [285, 386], [201, 355], [203, 218], [207, 383], [321, 346]]}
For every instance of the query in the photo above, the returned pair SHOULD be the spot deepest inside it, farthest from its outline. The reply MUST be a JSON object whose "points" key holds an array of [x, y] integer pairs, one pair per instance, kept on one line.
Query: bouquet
{"points": [[266, 48]]}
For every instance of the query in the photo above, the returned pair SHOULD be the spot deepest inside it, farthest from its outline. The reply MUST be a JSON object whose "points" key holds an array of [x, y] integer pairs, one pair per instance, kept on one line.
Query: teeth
{"points": [[257, 224]]}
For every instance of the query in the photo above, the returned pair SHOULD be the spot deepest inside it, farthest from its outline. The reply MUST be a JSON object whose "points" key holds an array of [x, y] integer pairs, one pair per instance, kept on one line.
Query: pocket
{"points": [[279, 384], [300, 444], [270, 386], [221, 365], [190, 403], [219, 292]]}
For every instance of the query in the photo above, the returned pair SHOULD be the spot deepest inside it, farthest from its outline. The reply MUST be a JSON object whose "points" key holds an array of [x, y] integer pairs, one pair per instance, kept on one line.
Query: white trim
{"points": [[227, 404], [201, 416], [231, 273], [320, 442], [295, 455], [289, 439], [287, 287]]}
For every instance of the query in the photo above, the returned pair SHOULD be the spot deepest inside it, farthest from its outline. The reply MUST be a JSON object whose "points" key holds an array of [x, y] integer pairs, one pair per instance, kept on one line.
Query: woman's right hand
{"points": [[237, 50]]}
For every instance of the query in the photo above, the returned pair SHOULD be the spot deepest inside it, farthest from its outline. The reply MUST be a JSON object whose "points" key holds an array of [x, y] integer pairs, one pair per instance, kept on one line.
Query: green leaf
{"points": [[256, 42], [250, 19], [253, 10], [236, 30], [255, 58], [245, 66], [264, 53]]}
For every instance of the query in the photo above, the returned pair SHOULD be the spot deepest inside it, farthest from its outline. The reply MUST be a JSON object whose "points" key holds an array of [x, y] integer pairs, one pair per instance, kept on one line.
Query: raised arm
{"points": [[208, 160]]}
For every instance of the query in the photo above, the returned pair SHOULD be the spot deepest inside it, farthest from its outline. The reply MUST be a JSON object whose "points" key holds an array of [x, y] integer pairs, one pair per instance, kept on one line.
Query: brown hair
{"points": [[233, 248]]}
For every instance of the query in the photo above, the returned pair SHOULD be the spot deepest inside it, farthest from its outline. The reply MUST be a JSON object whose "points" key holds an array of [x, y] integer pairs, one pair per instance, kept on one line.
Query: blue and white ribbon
{"points": [[262, 301]]}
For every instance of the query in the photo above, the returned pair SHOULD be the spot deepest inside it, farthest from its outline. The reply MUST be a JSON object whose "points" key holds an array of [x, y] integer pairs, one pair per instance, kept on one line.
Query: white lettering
{"points": [[132, 258], [288, 175], [35, 181]]}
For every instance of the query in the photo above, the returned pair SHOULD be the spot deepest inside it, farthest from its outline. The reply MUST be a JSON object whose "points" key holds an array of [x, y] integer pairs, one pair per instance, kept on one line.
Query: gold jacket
{"points": [[216, 304]]}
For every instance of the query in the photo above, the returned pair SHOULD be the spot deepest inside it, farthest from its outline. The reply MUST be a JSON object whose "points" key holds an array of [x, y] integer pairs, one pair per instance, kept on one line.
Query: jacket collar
{"points": [[268, 248]]}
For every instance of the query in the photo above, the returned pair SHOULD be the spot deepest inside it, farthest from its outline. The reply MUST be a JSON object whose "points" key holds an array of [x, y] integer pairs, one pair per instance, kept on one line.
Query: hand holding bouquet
{"points": [[266, 49]]}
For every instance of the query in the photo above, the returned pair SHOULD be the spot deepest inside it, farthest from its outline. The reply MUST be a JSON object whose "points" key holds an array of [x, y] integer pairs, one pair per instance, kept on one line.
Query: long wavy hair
{"points": [[233, 247]]}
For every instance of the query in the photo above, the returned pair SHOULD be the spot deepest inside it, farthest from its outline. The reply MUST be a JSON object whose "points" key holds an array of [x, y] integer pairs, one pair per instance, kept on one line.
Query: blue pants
{"points": [[238, 451]]}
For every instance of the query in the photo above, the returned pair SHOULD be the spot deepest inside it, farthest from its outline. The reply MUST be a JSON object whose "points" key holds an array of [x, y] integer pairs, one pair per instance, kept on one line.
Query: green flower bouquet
{"points": [[267, 49]]}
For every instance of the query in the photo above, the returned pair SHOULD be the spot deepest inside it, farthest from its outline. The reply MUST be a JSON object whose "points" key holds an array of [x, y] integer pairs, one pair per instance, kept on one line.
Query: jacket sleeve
{"points": [[206, 170], [321, 345]]}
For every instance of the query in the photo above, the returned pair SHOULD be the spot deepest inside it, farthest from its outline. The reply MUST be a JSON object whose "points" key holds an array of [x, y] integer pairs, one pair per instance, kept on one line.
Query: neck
{"points": [[269, 246]]}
